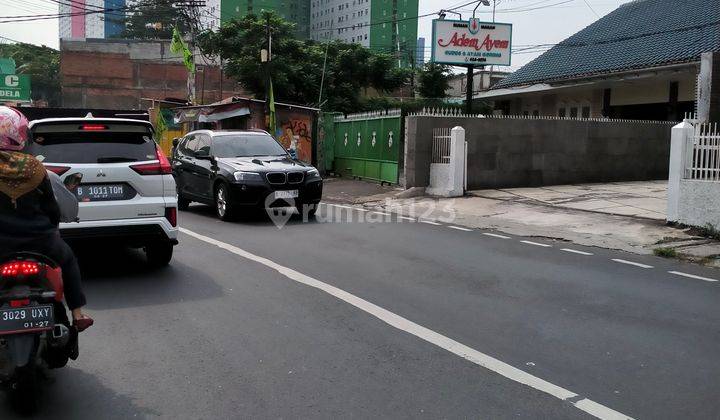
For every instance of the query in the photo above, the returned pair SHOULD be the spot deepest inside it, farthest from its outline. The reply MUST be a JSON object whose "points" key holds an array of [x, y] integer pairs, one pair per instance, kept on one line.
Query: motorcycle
{"points": [[35, 332], [34, 329]]}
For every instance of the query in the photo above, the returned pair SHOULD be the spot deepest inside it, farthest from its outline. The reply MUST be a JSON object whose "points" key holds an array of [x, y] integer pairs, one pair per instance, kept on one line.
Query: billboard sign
{"points": [[462, 42], [15, 87]]}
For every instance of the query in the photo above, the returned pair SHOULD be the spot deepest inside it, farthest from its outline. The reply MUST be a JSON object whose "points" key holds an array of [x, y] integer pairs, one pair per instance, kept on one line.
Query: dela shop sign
{"points": [[14, 87], [462, 42]]}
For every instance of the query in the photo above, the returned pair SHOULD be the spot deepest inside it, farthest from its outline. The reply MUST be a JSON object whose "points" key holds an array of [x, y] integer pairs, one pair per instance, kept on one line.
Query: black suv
{"points": [[234, 169]]}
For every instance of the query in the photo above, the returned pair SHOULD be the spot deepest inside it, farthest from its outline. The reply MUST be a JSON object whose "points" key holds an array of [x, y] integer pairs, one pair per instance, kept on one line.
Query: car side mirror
{"points": [[72, 181], [293, 153], [175, 141], [202, 154]]}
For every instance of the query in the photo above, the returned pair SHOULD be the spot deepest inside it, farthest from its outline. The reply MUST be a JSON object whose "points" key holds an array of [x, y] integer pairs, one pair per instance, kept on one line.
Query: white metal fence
{"points": [[440, 145], [704, 156]]}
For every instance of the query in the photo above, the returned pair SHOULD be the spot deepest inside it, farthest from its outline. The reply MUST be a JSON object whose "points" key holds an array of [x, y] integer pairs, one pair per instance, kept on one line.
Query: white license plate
{"points": [[287, 194]]}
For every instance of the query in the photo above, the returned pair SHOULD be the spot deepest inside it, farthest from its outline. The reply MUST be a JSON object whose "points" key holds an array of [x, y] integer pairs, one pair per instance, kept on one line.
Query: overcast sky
{"points": [[534, 21]]}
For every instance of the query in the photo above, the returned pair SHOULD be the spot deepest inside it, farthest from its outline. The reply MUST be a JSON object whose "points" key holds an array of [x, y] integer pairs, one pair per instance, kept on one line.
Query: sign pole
{"points": [[469, 89]]}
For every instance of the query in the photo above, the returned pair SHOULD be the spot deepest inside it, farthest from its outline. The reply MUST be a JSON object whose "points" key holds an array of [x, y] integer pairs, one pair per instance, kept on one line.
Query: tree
{"points": [[42, 64], [155, 20], [297, 65], [434, 81]]}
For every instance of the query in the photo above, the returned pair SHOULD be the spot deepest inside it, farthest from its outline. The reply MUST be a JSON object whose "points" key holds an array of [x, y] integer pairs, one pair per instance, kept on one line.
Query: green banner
{"points": [[14, 87]]}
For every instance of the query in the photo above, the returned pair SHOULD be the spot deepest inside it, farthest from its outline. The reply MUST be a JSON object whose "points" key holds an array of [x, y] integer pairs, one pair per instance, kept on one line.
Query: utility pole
{"points": [[266, 58]]}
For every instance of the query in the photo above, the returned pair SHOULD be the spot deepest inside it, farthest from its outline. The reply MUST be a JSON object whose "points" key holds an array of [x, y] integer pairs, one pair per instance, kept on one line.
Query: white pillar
{"points": [[457, 162], [682, 134]]}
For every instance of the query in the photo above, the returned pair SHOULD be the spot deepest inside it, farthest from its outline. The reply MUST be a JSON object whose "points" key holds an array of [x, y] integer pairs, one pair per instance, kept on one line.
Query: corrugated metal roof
{"points": [[640, 34]]}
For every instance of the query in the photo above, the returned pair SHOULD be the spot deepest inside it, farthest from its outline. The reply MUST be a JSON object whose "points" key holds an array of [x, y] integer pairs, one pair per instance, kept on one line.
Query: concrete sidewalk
{"points": [[627, 216], [646, 199]]}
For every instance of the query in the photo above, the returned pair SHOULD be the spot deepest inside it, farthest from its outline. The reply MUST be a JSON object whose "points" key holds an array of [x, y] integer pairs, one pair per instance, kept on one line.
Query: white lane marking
{"points": [[460, 228], [382, 213], [632, 263], [406, 218], [575, 251], [537, 244], [692, 276], [430, 222], [404, 324], [360, 209], [495, 235]]}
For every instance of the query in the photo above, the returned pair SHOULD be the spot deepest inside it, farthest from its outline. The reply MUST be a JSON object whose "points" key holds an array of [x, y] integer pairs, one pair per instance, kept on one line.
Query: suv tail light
{"points": [[171, 215], [57, 169], [161, 167]]}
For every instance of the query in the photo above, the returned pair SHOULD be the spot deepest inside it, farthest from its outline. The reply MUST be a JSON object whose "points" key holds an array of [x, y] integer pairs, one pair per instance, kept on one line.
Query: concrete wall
{"points": [[504, 152], [115, 74], [699, 203]]}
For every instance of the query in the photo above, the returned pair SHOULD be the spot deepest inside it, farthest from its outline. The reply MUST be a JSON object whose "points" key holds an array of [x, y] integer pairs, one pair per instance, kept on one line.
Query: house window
{"points": [[573, 112], [561, 112], [586, 112]]}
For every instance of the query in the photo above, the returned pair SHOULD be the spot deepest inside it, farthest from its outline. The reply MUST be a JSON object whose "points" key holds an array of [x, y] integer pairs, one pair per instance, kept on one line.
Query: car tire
{"points": [[183, 203], [159, 254], [223, 207]]}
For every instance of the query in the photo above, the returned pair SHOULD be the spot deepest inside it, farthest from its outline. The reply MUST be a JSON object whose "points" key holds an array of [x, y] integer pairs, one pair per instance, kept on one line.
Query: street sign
{"points": [[15, 87], [462, 43]]}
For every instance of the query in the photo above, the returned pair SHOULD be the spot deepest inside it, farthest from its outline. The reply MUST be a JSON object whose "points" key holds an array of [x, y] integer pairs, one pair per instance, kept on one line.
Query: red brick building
{"points": [[122, 74]]}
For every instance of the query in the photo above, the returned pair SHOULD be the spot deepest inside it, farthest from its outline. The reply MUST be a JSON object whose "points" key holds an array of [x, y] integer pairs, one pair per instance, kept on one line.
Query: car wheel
{"points": [[159, 254], [223, 207], [183, 203]]}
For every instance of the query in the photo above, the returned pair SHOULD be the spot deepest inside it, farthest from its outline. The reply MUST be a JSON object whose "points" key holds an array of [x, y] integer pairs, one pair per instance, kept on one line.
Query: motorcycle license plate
{"points": [[30, 318], [287, 194]]}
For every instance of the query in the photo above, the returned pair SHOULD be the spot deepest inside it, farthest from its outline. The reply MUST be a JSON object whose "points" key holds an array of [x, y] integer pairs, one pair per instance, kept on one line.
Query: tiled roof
{"points": [[639, 34]]}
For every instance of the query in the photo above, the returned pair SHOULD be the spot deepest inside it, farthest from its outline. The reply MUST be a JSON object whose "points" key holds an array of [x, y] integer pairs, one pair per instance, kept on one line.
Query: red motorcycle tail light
{"points": [[19, 303], [19, 268]]}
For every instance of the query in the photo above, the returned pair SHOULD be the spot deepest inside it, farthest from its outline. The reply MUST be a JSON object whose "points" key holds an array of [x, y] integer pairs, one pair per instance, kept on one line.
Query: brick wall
{"points": [[116, 74]]}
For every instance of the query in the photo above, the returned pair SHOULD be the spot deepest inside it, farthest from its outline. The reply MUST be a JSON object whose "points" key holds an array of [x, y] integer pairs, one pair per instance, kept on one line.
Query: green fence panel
{"points": [[368, 146]]}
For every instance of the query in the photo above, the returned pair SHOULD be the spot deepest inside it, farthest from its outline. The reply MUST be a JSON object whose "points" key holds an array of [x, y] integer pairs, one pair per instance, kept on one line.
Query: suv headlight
{"points": [[312, 174], [247, 176]]}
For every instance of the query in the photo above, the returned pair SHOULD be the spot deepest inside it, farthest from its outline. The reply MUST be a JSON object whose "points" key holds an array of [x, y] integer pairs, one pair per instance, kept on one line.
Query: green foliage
{"points": [[434, 81], [297, 65], [665, 252], [42, 64], [155, 20]]}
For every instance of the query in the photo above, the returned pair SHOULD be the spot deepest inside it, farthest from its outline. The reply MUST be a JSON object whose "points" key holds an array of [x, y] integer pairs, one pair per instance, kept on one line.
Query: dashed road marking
{"points": [[575, 251], [691, 276], [636, 264], [460, 228], [537, 244], [382, 213], [430, 222], [426, 334], [406, 218], [495, 235]]}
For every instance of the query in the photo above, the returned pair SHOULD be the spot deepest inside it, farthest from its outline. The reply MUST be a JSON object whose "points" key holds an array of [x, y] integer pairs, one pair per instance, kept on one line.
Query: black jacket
{"points": [[33, 215]]}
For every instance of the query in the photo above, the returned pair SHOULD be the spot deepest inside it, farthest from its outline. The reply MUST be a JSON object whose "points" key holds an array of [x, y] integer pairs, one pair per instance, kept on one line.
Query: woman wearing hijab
{"points": [[29, 214]]}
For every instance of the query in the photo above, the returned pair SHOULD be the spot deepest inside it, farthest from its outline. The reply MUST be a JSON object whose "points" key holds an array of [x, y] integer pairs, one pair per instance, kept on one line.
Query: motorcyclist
{"points": [[29, 214]]}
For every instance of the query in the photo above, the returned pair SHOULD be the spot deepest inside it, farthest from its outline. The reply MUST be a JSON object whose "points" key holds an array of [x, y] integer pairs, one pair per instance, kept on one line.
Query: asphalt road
{"points": [[325, 320]]}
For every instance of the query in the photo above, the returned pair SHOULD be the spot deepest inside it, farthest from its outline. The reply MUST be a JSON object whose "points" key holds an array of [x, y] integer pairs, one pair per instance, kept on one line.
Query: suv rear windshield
{"points": [[93, 147]]}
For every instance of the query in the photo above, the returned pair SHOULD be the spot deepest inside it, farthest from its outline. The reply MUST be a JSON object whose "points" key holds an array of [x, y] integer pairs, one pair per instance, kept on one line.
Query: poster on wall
{"points": [[471, 42]]}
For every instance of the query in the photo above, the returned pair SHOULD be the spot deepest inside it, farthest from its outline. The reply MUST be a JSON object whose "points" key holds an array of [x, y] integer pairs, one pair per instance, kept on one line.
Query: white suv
{"points": [[127, 194]]}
